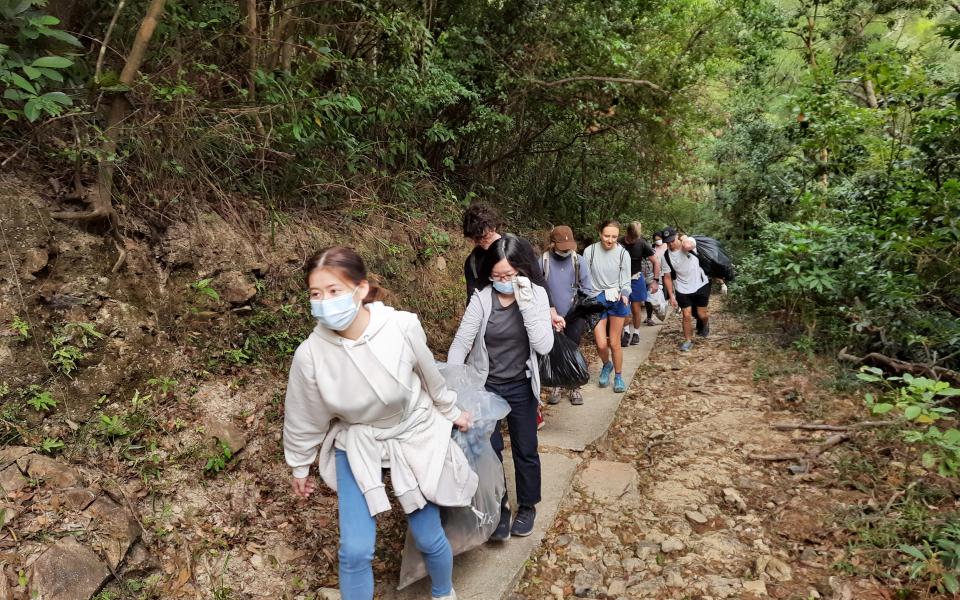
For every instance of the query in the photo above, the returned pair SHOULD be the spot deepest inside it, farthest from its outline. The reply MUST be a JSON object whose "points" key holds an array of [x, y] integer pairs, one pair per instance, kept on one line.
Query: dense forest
{"points": [[820, 139]]}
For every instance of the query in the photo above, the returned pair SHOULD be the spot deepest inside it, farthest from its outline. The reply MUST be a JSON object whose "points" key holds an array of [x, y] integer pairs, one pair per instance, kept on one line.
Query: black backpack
{"points": [[714, 260]]}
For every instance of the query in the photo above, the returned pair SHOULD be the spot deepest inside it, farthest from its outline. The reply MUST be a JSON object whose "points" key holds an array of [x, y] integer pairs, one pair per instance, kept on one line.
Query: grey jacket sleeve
{"points": [[467, 332], [586, 283], [443, 397], [306, 419], [537, 321]]}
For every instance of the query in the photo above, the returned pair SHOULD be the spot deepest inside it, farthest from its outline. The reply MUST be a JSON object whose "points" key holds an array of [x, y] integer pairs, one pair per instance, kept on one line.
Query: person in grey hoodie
{"points": [[506, 324], [365, 394]]}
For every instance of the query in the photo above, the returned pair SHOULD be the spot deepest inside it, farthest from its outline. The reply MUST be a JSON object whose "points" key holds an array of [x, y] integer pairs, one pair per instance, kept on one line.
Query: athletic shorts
{"points": [[613, 309], [700, 297], [638, 290]]}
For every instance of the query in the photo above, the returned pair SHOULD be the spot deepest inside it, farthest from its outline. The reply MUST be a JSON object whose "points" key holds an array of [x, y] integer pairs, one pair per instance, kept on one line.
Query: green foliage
{"points": [[163, 384], [113, 426], [217, 461], [203, 288], [27, 67], [51, 445], [40, 399], [936, 559], [21, 328], [920, 401]]}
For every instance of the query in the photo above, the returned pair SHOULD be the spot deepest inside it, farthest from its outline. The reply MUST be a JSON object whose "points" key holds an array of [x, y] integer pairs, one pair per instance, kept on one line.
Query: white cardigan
{"points": [[383, 401]]}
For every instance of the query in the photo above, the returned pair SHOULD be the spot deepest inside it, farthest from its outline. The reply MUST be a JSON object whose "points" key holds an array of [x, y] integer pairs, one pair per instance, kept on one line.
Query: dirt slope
{"points": [[709, 521]]}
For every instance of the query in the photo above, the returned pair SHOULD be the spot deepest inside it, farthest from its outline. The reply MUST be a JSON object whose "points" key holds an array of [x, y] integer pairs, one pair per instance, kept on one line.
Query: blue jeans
{"points": [[358, 536]]}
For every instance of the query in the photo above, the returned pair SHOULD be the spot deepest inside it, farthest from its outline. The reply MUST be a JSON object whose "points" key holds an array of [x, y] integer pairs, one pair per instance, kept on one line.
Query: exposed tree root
{"points": [[806, 457], [824, 427], [901, 366]]}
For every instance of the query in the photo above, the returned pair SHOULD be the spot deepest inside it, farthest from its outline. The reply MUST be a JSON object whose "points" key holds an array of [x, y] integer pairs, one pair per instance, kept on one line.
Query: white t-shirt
{"points": [[687, 275]]}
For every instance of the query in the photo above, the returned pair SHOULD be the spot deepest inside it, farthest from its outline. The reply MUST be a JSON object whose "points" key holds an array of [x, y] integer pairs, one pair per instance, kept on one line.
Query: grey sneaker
{"points": [[624, 340], [576, 397], [554, 397], [705, 330], [686, 346], [635, 339]]}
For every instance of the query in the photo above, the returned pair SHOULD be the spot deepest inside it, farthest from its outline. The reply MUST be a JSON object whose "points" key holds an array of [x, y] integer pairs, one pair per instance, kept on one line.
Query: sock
{"points": [[619, 374]]}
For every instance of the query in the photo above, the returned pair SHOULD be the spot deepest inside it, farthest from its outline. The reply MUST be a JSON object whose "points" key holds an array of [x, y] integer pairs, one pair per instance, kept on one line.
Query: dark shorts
{"points": [[638, 290], [700, 297], [613, 309]]}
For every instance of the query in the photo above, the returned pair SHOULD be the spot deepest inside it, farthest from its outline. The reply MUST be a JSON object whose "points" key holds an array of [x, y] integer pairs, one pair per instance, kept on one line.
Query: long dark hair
{"points": [[511, 248], [347, 264]]}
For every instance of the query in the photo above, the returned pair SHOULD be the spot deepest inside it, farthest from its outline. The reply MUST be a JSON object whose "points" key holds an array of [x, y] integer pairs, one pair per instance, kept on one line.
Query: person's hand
{"points": [[654, 286], [559, 323], [673, 302], [303, 487], [523, 290], [625, 300], [464, 422]]}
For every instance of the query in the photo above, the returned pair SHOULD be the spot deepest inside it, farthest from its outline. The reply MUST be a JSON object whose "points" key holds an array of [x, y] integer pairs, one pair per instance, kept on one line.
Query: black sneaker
{"points": [[523, 524], [635, 339], [502, 532], [705, 330], [699, 327], [624, 340]]}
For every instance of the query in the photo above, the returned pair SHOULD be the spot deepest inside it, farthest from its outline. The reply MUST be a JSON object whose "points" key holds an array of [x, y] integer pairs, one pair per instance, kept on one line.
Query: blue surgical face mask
{"points": [[336, 313], [504, 287]]}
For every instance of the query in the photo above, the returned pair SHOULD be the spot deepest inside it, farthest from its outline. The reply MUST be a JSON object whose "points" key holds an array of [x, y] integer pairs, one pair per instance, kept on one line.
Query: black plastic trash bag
{"points": [[714, 261], [469, 526], [564, 366], [584, 305]]}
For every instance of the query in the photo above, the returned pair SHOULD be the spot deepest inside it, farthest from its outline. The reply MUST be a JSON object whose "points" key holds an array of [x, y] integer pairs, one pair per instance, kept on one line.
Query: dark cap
{"points": [[668, 235], [562, 238]]}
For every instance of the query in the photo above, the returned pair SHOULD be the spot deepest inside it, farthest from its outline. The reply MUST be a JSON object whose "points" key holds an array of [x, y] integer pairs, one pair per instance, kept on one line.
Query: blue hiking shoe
{"points": [[619, 386], [686, 346], [604, 379]]}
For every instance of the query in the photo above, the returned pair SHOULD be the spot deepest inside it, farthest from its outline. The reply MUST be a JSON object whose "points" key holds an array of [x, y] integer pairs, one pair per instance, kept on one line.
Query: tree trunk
{"points": [[99, 197], [869, 94]]}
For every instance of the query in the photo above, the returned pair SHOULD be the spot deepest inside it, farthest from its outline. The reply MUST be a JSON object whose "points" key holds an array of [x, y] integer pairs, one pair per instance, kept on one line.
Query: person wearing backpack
{"points": [[642, 258], [687, 284], [609, 265], [566, 275]]}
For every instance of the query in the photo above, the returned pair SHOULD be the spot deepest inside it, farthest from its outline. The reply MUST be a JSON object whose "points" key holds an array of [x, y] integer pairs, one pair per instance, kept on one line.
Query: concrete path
{"points": [[576, 427], [491, 571]]}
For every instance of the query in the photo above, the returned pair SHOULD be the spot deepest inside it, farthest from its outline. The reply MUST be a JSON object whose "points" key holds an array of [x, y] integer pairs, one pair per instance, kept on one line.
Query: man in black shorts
{"points": [[687, 284]]}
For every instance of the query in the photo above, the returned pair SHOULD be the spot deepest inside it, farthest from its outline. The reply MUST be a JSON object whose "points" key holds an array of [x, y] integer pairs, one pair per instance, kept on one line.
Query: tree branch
{"points": [[625, 80], [900, 366]]}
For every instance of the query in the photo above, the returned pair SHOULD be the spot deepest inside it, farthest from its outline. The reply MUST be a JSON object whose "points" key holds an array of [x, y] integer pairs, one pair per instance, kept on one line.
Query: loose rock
{"points": [[778, 570], [757, 588], [225, 432], [52, 472], [67, 571], [672, 544], [235, 288], [115, 529]]}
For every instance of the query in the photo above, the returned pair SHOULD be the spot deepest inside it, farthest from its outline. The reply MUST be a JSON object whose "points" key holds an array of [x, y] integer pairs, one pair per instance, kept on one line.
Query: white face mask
{"points": [[336, 313], [658, 243], [563, 254]]}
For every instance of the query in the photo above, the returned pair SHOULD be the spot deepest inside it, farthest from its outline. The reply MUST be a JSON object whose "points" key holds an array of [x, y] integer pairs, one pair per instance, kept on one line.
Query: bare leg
{"points": [[600, 336], [688, 323], [636, 309], [616, 330]]}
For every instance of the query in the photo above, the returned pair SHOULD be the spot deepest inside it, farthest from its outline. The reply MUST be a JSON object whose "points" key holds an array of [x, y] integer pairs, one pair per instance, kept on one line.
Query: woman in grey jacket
{"points": [[505, 326]]}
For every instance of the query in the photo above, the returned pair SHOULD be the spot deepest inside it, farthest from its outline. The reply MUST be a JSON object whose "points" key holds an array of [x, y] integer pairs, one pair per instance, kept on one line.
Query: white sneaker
{"points": [[451, 596]]}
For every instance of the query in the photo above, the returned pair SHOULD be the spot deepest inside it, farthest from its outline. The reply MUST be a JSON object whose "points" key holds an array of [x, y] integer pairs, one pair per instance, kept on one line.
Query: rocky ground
{"points": [[698, 517]]}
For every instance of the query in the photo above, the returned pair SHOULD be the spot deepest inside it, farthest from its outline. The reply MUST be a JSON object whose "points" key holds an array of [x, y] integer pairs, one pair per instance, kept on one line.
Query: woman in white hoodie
{"points": [[365, 394], [505, 326]]}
